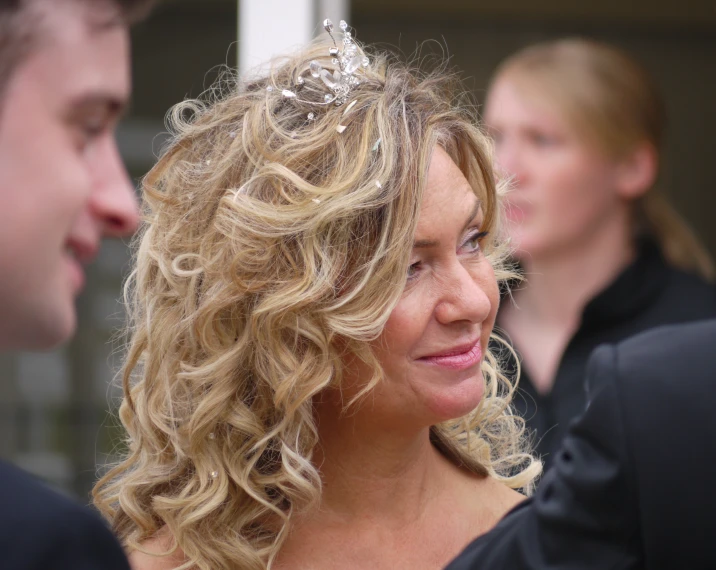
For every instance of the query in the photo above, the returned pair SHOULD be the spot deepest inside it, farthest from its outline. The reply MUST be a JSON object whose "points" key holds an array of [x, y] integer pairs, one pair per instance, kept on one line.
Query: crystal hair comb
{"points": [[349, 59]]}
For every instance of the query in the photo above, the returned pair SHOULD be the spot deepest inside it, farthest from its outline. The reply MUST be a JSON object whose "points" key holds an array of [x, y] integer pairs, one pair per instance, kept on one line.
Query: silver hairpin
{"points": [[349, 59]]}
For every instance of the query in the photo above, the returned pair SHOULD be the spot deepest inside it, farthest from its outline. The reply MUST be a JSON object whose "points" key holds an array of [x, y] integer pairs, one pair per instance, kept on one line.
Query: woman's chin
{"points": [[451, 402]]}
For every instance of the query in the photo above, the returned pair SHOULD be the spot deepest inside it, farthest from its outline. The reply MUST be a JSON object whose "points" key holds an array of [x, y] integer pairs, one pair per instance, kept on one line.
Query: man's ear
{"points": [[636, 172]]}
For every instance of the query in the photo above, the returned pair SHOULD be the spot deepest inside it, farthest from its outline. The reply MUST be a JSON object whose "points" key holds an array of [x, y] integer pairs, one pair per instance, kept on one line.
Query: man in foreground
{"points": [[64, 81], [632, 486]]}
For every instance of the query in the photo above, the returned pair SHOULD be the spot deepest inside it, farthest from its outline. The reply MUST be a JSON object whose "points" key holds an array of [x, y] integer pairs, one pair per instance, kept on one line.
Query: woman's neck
{"points": [[375, 471], [548, 309], [560, 284]]}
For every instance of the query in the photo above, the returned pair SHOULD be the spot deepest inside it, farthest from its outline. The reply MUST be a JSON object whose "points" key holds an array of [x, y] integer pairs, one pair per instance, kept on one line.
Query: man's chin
{"points": [[46, 331]]}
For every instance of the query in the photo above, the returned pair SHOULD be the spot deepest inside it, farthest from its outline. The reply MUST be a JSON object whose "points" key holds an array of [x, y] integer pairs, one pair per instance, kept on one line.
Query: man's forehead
{"points": [[64, 19], [80, 57], [76, 15]]}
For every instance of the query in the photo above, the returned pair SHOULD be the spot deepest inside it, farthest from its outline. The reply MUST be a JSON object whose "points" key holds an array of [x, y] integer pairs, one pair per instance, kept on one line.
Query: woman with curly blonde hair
{"points": [[308, 382]]}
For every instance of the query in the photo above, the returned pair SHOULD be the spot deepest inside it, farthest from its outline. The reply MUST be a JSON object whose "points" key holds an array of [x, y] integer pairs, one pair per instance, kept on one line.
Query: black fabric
{"points": [[645, 295], [633, 483], [41, 530]]}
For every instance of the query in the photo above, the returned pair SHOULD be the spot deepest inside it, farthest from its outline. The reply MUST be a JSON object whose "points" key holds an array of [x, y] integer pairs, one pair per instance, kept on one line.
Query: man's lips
{"points": [[79, 252], [83, 250], [459, 357]]}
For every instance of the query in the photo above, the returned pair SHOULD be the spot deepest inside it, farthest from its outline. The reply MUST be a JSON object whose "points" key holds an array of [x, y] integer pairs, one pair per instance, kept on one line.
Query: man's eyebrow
{"points": [[428, 243], [111, 102]]}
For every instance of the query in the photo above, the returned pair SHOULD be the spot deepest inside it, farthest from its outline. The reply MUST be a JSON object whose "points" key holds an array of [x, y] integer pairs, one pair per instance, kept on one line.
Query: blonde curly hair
{"points": [[267, 251]]}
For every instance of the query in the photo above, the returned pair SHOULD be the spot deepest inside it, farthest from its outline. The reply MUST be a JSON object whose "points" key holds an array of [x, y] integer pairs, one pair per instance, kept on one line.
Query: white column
{"points": [[336, 10], [270, 28]]}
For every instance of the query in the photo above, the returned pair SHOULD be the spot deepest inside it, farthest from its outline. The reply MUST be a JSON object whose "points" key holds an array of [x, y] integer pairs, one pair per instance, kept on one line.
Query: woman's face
{"points": [[563, 189], [434, 342]]}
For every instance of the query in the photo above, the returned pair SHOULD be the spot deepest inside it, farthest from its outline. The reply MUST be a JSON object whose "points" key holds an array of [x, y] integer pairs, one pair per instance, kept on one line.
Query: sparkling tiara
{"points": [[338, 84]]}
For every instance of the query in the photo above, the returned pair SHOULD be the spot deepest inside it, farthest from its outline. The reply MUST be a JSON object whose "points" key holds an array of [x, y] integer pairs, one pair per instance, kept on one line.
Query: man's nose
{"points": [[114, 201]]}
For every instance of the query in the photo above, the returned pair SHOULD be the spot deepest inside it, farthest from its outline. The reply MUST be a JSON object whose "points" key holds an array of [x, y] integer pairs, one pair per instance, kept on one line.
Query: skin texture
{"points": [[390, 499], [62, 182]]}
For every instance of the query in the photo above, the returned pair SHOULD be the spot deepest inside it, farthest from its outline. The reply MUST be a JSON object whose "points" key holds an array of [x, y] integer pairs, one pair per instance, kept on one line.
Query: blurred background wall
{"points": [[53, 419]]}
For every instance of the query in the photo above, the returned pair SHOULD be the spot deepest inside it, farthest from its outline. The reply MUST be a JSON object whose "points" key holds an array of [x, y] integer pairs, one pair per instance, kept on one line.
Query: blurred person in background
{"points": [[64, 81], [578, 128], [308, 383]]}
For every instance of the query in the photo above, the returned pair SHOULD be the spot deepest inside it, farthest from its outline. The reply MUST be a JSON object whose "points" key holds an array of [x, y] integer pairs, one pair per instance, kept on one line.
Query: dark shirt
{"points": [[632, 485], [41, 530], [647, 294]]}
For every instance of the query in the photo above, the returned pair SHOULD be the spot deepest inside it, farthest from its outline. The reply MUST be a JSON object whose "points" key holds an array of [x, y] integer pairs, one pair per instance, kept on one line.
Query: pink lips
{"points": [[459, 358]]}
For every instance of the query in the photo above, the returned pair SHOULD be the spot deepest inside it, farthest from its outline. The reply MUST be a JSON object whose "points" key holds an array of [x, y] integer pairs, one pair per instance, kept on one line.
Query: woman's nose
{"points": [[462, 298], [509, 162]]}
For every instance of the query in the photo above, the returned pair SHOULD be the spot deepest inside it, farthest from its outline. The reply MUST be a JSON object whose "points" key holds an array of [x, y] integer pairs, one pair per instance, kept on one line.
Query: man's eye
{"points": [[94, 129], [88, 133]]}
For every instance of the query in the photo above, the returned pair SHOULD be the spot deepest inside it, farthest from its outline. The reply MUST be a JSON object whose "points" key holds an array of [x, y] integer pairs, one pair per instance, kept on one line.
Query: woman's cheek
{"points": [[492, 291]]}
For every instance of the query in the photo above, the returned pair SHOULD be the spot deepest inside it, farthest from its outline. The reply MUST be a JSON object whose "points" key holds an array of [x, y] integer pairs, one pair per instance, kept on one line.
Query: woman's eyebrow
{"points": [[428, 243], [473, 214]]}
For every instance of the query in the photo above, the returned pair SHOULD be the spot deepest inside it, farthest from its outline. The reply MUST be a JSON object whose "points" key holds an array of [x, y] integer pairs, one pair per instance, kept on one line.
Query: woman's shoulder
{"points": [[157, 553], [488, 499], [503, 499]]}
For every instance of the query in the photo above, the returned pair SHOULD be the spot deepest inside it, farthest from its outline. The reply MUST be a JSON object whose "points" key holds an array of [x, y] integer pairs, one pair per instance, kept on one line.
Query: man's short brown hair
{"points": [[19, 22]]}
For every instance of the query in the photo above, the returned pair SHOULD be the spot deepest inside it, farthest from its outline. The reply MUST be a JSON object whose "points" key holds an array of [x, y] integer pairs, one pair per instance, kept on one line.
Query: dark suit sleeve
{"points": [[42, 530], [82, 542], [584, 513]]}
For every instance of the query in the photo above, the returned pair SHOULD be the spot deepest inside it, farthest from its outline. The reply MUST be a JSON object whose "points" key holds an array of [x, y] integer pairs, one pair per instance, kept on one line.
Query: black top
{"points": [[632, 487], [41, 530], [645, 295]]}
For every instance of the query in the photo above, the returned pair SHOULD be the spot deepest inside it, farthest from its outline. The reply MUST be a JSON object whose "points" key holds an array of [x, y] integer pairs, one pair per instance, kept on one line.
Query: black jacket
{"points": [[633, 483], [647, 294], [41, 530]]}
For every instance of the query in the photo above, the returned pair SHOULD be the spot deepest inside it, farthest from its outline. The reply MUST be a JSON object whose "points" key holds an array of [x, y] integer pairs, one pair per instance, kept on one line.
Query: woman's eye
{"points": [[473, 242], [543, 140], [496, 137], [413, 270]]}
